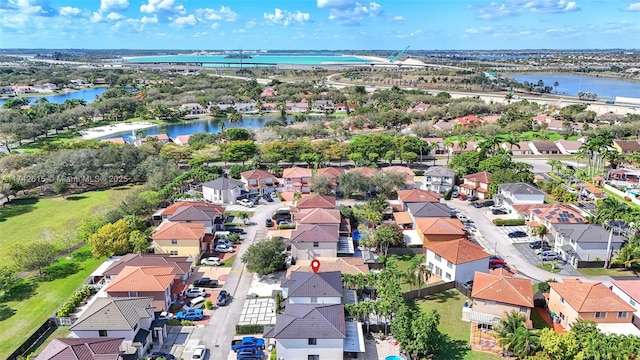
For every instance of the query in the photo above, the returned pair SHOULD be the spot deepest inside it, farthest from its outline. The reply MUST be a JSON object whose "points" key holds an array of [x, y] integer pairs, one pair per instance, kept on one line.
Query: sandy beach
{"points": [[101, 131], [382, 61]]}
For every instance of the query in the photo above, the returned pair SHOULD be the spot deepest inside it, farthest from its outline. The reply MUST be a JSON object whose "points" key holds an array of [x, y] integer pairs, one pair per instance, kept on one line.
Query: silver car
{"points": [[224, 248], [549, 255]]}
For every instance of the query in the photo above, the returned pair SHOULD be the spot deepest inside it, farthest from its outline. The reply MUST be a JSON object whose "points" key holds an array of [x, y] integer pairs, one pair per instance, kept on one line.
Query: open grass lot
{"points": [[610, 272], [25, 219], [32, 300], [449, 304]]}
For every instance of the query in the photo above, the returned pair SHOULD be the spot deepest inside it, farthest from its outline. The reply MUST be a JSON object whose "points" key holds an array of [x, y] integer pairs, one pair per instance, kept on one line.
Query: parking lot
{"points": [[530, 255]]}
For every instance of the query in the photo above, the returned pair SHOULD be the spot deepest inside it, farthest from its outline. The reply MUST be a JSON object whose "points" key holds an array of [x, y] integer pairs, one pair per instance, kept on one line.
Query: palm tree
{"points": [[524, 342], [629, 254], [506, 329], [610, 210], [555, 86], [448, 145], [244, 216], [512, 140], [462, 143], [555, 164]]}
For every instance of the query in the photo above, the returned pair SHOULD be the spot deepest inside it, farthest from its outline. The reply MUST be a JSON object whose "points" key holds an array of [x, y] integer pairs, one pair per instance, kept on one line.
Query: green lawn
{"points": [[449, 304], [609, 272], [537, 320], [31, 301], [27, 219], [548, 267]]}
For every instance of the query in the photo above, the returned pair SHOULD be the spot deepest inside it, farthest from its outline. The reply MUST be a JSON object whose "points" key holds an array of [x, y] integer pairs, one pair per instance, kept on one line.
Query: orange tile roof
{"points": [[318, 216], [507, 290], [409, 180], [402, 217], [118, 140], [316, 201], [142, 279], [459, 251], [354, 265], [589, 297], [417, 195], [482, 177], [296, 172], [366, 171], [557, 214], [288, 195], [256, 174], [629, 287], [178, 230], [440, 226], [330, 172], [170, 210]]}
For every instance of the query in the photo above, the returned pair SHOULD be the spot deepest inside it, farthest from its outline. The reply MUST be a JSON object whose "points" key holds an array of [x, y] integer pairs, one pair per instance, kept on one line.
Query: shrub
{"points": [[72, 303], [285, 227], [509, 222], [186, 323], [174, 322], [208, 305], [250, 329], [273, 355], [418, 172], [447, 194]]}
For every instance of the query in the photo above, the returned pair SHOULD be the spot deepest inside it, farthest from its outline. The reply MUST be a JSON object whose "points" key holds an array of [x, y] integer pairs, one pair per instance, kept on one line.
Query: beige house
{"points": [[179, 239], [494, 296], [476, 185]]}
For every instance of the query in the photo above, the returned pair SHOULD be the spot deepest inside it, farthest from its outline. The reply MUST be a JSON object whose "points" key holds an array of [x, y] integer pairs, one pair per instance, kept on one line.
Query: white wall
{"points": [[528, 199], [306, 251], [299, 349], [319, 300], [622, 295], [127, 335]]}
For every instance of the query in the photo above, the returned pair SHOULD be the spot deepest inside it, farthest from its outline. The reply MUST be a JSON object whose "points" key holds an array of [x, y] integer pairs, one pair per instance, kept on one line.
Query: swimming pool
{"points": [[393, 357]]}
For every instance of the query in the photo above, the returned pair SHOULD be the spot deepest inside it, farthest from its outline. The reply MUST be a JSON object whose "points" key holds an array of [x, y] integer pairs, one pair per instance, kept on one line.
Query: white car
{"points": [[165, 316], [224, 249], [211, 261], [195, 292], [199, 352]]}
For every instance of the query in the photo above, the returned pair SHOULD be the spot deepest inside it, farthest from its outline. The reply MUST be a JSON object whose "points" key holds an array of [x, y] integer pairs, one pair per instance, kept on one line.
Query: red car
{"points": [[497, 263]]}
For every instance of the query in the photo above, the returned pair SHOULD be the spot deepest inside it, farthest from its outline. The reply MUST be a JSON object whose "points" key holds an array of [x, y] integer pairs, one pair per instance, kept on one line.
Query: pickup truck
{"points": [[254, 354], [247, 343], [205, 282]]}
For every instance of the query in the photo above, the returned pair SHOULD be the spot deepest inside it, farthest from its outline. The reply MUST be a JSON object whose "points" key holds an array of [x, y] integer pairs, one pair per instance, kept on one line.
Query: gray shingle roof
{"points": [[520, 189], [439, 171], [114, 314], [223, 183], [193, 213], [305, 233], [429, 209], [586, 233], [307, 284], [303, 321]]}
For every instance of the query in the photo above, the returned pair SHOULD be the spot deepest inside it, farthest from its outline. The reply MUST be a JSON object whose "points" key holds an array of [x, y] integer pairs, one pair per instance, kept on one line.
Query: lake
{"points": [[571, 84], [89, 95], [269, 59]]}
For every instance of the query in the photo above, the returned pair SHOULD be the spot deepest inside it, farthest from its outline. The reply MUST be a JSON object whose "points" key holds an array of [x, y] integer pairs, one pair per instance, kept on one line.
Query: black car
{"points": [[488, 203], [205, 282], [517, 234], [538, 244], [267, 198], [498, 211], [268, 223], [235, 230], [161, 355], [223, 298], [473, 198], [477, 204]]}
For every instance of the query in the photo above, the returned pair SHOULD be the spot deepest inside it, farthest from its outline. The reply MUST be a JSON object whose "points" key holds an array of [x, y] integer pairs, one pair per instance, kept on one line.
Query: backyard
{"points": [[449, 305]]}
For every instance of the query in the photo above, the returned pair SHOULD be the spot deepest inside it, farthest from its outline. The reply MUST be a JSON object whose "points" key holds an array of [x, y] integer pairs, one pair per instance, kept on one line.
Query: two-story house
{"points": [[629, 291], [296, 179], [182, 265], [313, 288], [179, 239], [166, 213], [407, 197], [518, 194], [578, 243], [409, 182], [316, 202], [210, 217], [494, 296], [549, 214], [438, 230], [309, 241], [573, 299], [192, 109], [156, 282], [439, 179], [222, 190], [428, 209], [90, 348], [476, 185], [333, 174], [259, 181], [131, 319], [456, 260]]}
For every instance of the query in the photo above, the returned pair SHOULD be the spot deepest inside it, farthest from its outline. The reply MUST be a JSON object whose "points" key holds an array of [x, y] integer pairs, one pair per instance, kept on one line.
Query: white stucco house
{"points": [[457, 260], [518, 194], [583, 242], [629, 291], [439, 179], [222, 190]]}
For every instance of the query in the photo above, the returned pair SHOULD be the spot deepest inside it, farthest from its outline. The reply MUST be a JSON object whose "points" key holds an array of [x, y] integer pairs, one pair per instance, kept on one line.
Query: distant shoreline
{"points": [[106, 130]]}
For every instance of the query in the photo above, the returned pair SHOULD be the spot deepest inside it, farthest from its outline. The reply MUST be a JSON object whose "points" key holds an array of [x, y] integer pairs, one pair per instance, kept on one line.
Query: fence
{"points": [[35, 339], [622, 194], [464, 291], [64, 321], [429, 290], [406, 251]]}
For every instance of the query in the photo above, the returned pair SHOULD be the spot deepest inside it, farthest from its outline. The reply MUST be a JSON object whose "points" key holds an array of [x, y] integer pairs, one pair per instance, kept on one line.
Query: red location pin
{"points": [[315, 265]]}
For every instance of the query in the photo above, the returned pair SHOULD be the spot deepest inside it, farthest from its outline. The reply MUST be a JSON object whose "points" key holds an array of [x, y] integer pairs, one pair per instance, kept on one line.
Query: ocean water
{"points": [[256, 58], [571, 84], [89, 95]]}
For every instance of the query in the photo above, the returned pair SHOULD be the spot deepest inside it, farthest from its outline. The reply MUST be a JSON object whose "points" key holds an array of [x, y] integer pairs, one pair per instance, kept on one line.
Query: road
{"points": [[217, 335]]}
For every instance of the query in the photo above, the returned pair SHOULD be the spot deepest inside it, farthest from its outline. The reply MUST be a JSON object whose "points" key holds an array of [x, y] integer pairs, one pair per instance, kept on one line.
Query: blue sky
{"points": [[320, 24]]}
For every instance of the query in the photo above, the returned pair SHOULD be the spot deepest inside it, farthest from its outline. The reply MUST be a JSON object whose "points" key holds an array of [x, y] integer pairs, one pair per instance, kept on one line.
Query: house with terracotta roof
{"points": [[316, 202], [548, 214], [629, 292], [318, 216], [132, 320], [569, 147], [222, 190], [456, 260], [179, 239], [117, 140], [494, 296], [182, 266], [469, 121], [296, 179], [98, 348], [439, 179], [366, 171], [440, 149], [578, 243], [166, 213], [520, 148], [331, 173], [438, 230], [269, 91], [182, 140], [476, 185], [407, 197], [469, 146], [344, 265], [409, 182], [259, 181], [573, 299], [544, 148], [156, 282], [161, 138], [310, 241], [625, 147]]}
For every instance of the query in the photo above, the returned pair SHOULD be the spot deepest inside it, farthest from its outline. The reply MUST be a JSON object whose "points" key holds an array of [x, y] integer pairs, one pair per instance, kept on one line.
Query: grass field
{"points": [[449, 304], [32, 300], [609, 272], [27, 219]]}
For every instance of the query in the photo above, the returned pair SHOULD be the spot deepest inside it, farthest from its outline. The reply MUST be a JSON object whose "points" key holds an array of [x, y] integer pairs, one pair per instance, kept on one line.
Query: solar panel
{"points": [[572, 215], [537, 211]]}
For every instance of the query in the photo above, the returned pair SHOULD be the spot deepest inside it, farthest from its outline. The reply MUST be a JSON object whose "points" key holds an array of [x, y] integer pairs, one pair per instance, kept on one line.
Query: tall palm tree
{"points": [[609, 211], [512, 140], [462, 143], [505, 330], [555, 164], [448, 145]]}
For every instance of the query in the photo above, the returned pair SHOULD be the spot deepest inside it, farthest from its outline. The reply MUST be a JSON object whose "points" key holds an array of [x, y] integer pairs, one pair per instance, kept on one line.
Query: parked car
{"points": [[236, 230], [226, 242], [468, 285], [494, 257], [498, 211], [267, 197], [195, 292], [540, 250], [206, 282], [190, 314], [274, 195], [247, 343], [473, 198], [254, 354], [549, 255], [538, 244], [477, 204], [455, 194], [223, 298], [211, 261], [517, 234], [285, 222], [161, 355], [199, 352], [165, 315], [494, 262], [488, 203], [224, 248], [195, 303], [268, 223]]}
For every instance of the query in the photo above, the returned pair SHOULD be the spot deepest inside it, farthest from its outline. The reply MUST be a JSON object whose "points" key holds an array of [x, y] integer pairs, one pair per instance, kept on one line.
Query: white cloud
{"points": [[166, 7], [184, 21], [498, 9], [224, 13], [69, 11], [285, 17], [398, 18], [472, 31], [350, 12], [215, 25], [96, 17], [113, 5], [634, 7], [149, 20], [115, 16]]}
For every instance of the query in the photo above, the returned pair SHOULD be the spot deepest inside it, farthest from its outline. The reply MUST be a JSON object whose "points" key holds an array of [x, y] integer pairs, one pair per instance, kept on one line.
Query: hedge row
{"points": [[72, 303], [509, 222], [250, 329]]}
